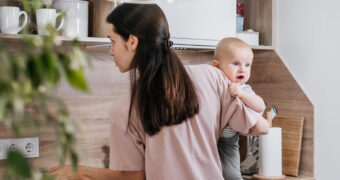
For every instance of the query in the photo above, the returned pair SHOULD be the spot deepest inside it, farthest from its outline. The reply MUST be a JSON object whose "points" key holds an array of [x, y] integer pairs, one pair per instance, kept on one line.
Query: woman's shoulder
{"points": [[119, 116], [120, 110], [201, 68], [203, 72]]}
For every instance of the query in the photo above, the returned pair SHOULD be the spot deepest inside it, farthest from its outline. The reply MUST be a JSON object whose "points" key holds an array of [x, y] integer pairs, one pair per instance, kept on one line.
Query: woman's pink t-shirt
{"points": [[188, 150]]}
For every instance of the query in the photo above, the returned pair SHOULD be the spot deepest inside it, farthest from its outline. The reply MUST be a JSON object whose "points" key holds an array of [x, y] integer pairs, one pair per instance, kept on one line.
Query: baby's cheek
{"points": [[230, 78]]}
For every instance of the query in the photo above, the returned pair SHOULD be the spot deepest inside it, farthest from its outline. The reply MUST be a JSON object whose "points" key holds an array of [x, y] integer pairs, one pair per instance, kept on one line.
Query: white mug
{"points": [[9, 19], [45, 16], [76, 20]]}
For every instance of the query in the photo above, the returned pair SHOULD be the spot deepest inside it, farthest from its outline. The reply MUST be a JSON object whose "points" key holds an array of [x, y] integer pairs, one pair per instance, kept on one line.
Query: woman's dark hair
{"points": [[161, 90]]}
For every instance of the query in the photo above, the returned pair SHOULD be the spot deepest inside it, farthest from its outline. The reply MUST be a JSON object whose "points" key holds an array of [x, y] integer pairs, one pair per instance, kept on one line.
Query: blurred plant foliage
{"points": [[29, 77]]}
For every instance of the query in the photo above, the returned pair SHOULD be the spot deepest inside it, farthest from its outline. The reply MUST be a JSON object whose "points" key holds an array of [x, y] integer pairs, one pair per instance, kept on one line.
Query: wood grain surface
{"points": [[258, 16], [292, 129], [98, 12]]}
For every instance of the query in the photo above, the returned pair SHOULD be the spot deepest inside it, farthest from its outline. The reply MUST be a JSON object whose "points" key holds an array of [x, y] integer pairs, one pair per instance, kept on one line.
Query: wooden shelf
{"points": [[85, 42], [93, 42], [259, 15]]}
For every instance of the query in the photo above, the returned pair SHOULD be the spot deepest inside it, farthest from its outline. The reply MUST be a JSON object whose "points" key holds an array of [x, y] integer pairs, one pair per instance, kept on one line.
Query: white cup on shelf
{"points": [[45, 16], [9, 19], [76, 20]]}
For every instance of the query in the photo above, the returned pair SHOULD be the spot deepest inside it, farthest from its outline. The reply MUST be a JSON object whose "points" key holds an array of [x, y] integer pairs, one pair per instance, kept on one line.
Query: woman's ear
{"points": [[132, 42], [216, 63]]}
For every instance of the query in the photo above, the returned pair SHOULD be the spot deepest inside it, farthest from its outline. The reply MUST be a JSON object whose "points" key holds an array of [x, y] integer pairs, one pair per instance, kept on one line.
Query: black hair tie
{"points": [[167, 43]]}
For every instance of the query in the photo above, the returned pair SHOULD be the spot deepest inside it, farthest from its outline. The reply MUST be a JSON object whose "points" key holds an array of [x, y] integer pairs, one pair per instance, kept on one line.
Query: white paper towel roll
{"points": [[270, 162]]}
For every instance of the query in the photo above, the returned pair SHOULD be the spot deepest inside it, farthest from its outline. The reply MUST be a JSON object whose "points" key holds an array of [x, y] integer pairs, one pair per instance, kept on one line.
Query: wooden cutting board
{"points": [[292, 128]]}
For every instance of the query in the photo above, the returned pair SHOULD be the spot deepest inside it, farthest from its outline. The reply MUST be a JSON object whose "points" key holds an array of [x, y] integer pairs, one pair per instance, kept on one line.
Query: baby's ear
{"points": [[215, 63]]}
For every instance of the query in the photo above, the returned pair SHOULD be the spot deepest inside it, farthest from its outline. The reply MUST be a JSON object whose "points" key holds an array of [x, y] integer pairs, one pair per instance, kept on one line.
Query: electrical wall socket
{"points": [[28, 146]]}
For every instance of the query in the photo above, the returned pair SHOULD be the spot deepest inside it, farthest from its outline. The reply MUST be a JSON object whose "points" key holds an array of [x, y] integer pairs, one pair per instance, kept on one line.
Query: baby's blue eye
{"points": [[235, 63], [247, 65]]}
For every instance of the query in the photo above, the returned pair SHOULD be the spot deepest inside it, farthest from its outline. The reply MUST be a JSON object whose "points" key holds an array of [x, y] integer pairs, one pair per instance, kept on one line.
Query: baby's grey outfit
{"points": [[228, 149]]}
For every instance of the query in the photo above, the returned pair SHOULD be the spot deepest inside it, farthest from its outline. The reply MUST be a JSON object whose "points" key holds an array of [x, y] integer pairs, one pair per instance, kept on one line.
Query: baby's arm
{"points": [[252, 100]]}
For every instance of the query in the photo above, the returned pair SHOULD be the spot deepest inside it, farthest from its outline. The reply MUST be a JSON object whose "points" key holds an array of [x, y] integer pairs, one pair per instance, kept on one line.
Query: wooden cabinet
{"points": [[259, 15]]}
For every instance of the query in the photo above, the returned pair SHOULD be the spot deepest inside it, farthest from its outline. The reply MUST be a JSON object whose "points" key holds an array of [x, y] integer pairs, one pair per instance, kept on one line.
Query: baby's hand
{"points": [[235, 89]]}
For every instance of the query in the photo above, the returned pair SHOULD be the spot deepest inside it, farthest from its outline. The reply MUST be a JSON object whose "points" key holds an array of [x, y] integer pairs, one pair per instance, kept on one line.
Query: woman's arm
{"points": [[90, 173], [261, 127]]}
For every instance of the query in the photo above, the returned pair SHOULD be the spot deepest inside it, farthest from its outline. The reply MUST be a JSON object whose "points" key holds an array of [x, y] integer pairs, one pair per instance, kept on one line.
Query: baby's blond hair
{"points": [[228, 45]]}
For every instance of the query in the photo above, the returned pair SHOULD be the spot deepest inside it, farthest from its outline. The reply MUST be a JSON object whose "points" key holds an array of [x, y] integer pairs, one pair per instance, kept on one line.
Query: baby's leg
{"points": [[228, 149]]}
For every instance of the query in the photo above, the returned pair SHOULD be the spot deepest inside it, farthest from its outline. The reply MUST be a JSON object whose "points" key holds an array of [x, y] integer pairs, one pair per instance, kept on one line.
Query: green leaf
{"points": [[74, 161], [77, 79], [3, 102], [19, 164], [28, 40], [65, 60], [5, 88], [50, 69], [36, 4], [17, 128], [47, 176], [15, 68], [26, 6], [34, 70]]}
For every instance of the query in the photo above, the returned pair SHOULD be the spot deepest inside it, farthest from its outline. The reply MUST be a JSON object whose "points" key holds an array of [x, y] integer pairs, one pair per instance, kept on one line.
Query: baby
{"points": [[234, 57]]}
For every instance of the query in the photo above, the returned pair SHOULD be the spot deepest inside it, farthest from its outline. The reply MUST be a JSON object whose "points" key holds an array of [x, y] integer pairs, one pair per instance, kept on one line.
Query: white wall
{"points": [[308, 41]]}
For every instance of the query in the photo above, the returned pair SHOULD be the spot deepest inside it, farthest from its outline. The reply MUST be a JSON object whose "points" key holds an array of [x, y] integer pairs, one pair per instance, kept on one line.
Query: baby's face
{"points": [[237, 65]]}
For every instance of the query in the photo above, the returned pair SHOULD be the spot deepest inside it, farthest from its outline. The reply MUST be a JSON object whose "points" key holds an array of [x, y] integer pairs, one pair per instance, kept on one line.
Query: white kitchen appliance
{"points": [[199, 23]]}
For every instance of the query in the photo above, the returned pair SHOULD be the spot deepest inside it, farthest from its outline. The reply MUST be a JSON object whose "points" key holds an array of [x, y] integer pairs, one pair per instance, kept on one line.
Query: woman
{"points": [[167, 127]]}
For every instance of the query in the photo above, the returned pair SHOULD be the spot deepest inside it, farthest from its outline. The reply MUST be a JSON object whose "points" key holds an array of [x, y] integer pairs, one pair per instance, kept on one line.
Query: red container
{"points": [[240, 9]]}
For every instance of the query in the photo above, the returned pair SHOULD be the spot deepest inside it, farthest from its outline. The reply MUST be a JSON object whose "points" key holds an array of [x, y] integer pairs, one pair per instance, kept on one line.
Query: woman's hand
{"points": [[66, 173], [91, 173]]}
